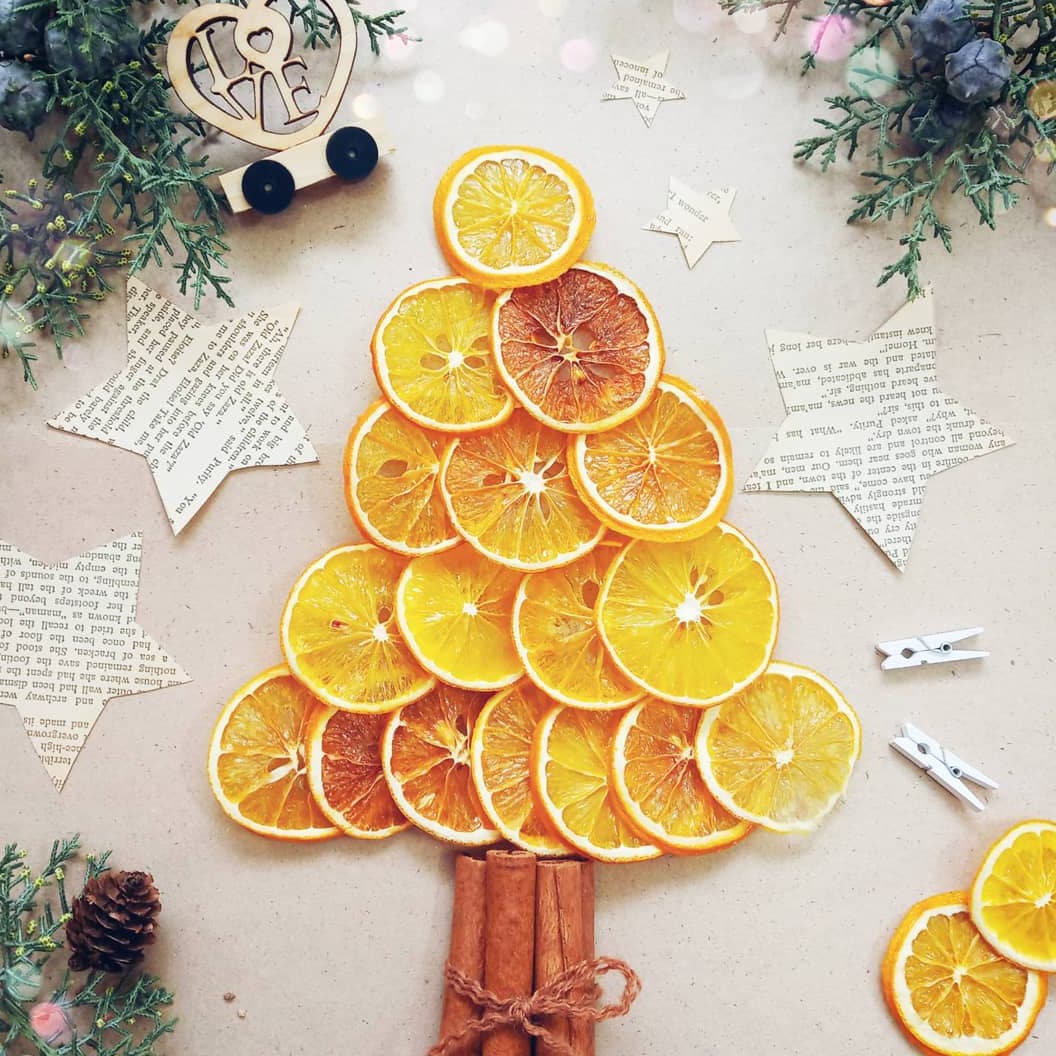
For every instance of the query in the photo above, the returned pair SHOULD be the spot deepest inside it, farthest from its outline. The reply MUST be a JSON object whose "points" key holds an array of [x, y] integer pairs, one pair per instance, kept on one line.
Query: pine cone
{"points": [[113, 920]]}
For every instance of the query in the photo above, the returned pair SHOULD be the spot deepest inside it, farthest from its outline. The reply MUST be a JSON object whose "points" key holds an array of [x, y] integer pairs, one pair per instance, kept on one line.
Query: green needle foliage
{"points": [[911, 176], [105, 1016], [120, 185]]}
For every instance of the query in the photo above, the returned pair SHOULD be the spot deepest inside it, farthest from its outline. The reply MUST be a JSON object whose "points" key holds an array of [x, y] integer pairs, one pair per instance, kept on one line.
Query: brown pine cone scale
{"points": [[113, 921]]}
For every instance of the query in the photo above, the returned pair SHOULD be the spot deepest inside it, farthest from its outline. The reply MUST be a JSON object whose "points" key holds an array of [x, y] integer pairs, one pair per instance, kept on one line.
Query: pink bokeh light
{"points": [[832, 38]]}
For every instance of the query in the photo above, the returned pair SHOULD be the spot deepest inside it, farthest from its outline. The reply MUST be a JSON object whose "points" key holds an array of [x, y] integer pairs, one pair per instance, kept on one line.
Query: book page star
{"points": [[699, 219], [868, 422], [196, 400], [69, 643], [643, 83]]}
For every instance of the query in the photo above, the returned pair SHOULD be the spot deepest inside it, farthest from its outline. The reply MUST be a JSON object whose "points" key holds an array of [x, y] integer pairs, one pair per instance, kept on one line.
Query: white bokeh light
{"points": [[365, 106], [490, 38], [1050, 216], [553, 8], [868, 72], [752, 22], [578, 55], [429, 86]]}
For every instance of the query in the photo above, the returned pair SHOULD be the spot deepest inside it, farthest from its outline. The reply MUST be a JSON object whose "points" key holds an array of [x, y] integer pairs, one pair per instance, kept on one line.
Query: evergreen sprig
{"points": [[121, 185], [984, 162], [125, 1017]]}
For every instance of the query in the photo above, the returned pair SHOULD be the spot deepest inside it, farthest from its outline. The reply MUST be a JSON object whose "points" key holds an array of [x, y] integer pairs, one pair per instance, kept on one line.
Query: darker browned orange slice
{"points": [[581, 353]]}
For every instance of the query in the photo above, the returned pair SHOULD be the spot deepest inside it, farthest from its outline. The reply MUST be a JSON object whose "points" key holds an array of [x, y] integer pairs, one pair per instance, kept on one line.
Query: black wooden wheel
{"points": [[352, 153], [268, 186]]}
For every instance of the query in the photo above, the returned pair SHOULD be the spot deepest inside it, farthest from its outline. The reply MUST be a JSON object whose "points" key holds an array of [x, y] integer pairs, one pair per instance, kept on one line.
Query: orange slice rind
{"points": [[950, 991], [257, 768], [581, 353], [667, 473], [510, 216]]}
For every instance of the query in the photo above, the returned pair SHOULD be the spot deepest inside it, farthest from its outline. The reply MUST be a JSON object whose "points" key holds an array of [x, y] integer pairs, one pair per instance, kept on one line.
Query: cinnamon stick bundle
{"points": [[509, 941], [564, 936]]}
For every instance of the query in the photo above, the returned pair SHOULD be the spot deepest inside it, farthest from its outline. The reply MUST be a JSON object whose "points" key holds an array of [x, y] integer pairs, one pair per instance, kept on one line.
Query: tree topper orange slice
{"points": [[433, 359], [950, 991], [692, 622], [425, 756], [583, 352], [257, 768], [511, 216], [340, 636], [509, 495], [665, 474], [392, 469]]}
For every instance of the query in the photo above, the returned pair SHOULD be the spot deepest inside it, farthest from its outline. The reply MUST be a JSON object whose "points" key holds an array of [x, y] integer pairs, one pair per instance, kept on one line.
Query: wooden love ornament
{"points": [[263, 40]]}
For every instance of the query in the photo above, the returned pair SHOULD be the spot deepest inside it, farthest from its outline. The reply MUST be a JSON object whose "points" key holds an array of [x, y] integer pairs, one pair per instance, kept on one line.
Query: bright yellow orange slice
{"points": [[556, 634], [340, 636], [694, 621], [780, 753], [344, 771], [665, 474], [509, 495], [1014, 895], [257, 767], [951, 992], [433, 359], [391, 469], [501, 755], [583, 352], [512, 216], [655, 775], [571, 775], [454, 610], [425, 756]]}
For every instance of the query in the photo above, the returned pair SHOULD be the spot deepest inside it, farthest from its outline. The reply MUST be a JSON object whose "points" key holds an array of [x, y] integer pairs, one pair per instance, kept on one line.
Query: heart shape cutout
{"points": [[263, 39]]}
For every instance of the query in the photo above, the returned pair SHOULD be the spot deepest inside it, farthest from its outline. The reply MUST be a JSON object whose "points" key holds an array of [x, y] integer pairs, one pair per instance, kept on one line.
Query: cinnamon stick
{"points": [[564, 936], [509, 941], [467, 947]]}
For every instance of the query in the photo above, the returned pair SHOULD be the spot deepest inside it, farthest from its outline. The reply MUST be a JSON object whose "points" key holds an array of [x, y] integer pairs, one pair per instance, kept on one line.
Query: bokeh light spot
{"points": [[365, 106], [871, 72], [832, 38], [490, 38], [429, 86], [578, 54], [399, 49], [1050, 216], [752, 21], [739, 73], [553, 8]]}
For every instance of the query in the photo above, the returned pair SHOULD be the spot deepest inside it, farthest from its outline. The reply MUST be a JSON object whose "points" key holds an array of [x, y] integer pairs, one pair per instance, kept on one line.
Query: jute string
{"points": [[571, 995]]}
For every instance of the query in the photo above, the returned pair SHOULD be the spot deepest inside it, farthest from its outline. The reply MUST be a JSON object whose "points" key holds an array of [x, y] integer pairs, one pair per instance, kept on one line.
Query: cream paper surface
{"points": [[196, 400], [868, 422], [69, 642], [643, 83], [699, 219]]}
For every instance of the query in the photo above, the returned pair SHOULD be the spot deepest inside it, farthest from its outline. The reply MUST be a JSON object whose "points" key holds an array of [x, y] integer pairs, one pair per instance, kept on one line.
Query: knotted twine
{"points": [[571, 995]]}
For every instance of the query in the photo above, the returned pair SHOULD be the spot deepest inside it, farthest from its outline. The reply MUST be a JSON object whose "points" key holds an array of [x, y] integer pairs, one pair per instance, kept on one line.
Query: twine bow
{"points": [[570, 995]]}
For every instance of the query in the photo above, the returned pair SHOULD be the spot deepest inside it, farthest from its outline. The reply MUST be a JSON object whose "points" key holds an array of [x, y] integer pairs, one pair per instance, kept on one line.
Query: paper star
{"points": [[699, 220], [69, 642], [643, 83], [196, 400], [868, 422]]}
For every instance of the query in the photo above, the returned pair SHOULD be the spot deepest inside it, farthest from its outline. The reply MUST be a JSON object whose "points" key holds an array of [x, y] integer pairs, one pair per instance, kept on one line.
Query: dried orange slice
{"points": [[391, 468], [665, 474], [693, 621], [340, 636], [950, 992], [556, 634], [345, 774], [512, 216], [571, 774], [501, 757], [1014, 895], [780, 753], [509, 495], [433, 359], [454, 610], [581, 353], [257, 768], [655, 775], [425, 756]]}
